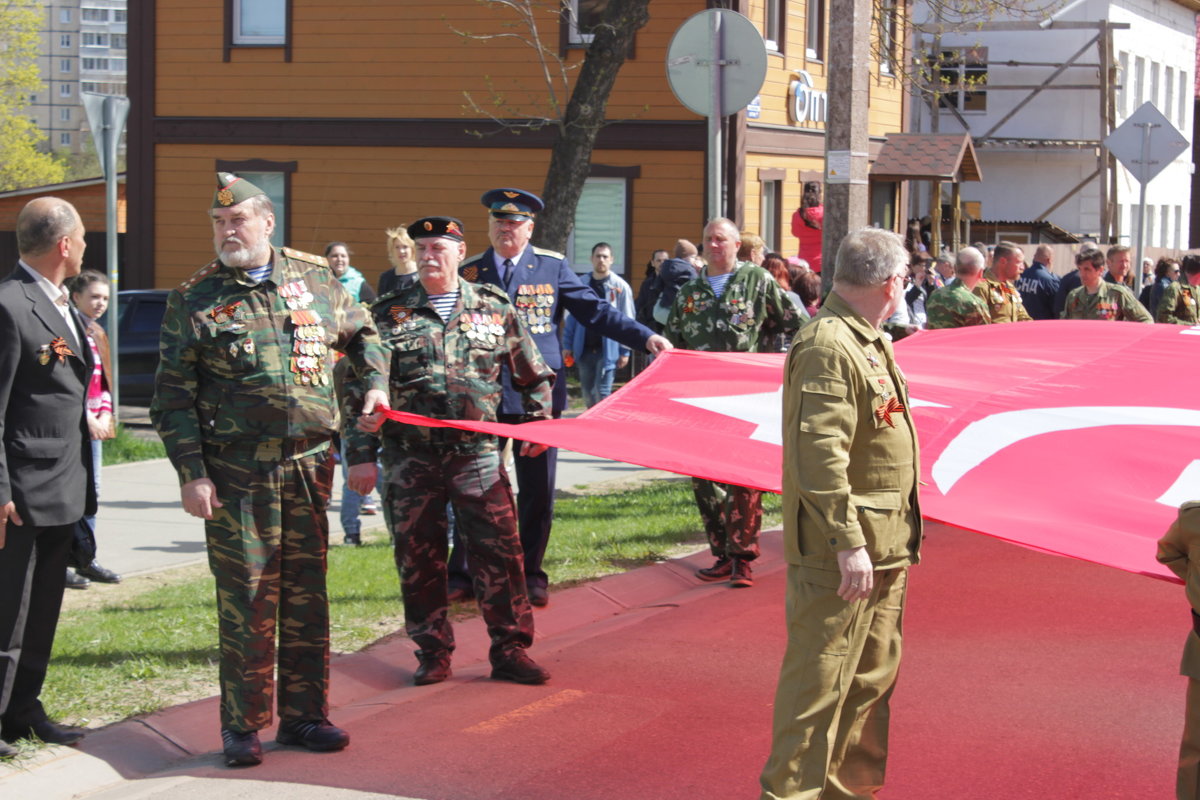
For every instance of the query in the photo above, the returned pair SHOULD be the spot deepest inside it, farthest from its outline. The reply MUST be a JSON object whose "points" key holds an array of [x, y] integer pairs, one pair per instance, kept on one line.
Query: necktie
{"points": [[506, 273]]}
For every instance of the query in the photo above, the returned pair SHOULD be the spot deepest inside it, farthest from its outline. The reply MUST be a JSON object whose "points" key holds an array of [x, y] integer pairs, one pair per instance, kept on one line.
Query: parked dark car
{"points": [[138, 327]]}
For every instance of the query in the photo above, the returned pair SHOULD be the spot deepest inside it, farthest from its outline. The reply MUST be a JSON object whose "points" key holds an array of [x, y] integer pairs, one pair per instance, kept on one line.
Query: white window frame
{"points": [[64, 114], [889, 34], [64, 139], [64, 65], [769, 196], [64, 40], [64, 90], [574, 35], [278, 8], [773, 23], [274, 186], [64, 16], [814, 30]]}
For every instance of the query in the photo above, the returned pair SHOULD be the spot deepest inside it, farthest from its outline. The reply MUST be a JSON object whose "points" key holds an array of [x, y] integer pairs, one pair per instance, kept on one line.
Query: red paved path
{"points": [[1025, 676]]}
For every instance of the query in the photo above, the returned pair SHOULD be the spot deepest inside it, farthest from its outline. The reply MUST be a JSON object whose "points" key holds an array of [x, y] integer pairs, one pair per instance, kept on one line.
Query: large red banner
{"points": [[1076, 438]]}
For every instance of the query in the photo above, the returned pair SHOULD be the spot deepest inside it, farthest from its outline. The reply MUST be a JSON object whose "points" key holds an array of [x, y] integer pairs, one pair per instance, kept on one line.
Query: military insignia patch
{"points": [[44, 355], [452, 227], [225, 197], [512, 195], [470, 273]]}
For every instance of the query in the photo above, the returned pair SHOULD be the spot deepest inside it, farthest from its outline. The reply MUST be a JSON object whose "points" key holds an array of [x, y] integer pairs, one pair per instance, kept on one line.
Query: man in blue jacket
{"points": [[543, 287], [598, 357], [1038, 285]]}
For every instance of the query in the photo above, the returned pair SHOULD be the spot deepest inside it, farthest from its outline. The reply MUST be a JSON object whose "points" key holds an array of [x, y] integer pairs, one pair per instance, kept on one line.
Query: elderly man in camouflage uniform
{"points": [[730, 307], [1180, 303], [997, 289], [449, 339], [956, 305], [1096, 298], [244, 404]]}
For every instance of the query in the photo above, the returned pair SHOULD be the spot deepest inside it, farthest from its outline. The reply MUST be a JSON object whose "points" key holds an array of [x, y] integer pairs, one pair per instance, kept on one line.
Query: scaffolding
{"points": [[1107, 85]]}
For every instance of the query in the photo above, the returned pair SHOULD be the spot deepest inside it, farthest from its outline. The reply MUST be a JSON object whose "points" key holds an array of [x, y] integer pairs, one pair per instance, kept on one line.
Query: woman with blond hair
{"points": [[402, 255]]}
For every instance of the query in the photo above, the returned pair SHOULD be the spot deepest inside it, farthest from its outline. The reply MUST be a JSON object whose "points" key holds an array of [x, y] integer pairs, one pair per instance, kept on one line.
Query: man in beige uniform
{"points": [[852, 527], [1182, 537]]}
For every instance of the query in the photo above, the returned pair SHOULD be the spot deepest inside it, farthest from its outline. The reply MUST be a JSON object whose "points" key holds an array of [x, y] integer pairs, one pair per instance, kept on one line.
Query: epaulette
{"points": [[200, 274], [541, 251], [300, 255], [493, 290], [470, 260]]}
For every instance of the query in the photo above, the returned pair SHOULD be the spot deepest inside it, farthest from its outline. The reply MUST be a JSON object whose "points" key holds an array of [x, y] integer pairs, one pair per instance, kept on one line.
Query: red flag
{"points": [[1076, 438]]}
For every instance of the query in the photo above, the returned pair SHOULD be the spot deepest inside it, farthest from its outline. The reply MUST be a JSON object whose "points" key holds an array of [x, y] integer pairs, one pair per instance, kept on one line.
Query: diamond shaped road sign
{"points": [[1146, 155]]}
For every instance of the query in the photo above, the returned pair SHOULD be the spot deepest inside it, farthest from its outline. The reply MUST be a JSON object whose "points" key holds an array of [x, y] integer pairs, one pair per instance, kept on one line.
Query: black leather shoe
{"points": [[7, 750], [320, 735], [47, 731], [435, 668], [518, 667], [75, 581], [741, 575], [99, 573], [241, 749], [717, 572], [539, 596]]}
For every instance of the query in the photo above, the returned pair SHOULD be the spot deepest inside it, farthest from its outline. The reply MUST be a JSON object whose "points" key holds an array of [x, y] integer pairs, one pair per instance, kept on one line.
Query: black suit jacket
{"points": [[45, 450]]}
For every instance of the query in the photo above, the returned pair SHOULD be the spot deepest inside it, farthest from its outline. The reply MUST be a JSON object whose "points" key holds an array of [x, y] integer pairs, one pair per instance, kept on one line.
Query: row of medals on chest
{"points": [[483, 327], [738, 306], [535, 304], [307, 362]]}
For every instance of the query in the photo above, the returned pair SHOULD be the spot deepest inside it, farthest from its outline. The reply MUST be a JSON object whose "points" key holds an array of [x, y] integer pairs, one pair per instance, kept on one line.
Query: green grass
{"points": [[126, 448], [152, 642]]}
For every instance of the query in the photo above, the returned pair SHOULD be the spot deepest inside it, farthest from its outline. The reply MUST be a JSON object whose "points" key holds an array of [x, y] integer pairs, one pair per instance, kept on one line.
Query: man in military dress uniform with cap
{"points": [[1096, 298], [956, 305], [1180, 303], [542, 286], [244, 403], [852, 527], [997, 290], [448, 340], [730, 307]]}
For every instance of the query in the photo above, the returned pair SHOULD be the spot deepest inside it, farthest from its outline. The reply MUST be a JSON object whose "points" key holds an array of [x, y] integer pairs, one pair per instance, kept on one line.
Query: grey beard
{"points": [[244, 257]]}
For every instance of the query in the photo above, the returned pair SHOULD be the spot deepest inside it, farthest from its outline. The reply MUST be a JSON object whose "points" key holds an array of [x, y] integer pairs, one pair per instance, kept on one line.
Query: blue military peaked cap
{"points": [[512, 203]]}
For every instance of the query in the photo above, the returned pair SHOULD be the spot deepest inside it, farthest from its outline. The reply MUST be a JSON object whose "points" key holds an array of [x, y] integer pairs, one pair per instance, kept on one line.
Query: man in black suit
{"points": [[45, 458]]}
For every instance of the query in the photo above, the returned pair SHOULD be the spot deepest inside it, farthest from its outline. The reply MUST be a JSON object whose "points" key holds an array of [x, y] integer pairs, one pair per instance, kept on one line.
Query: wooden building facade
{"points": [[355, 114]]}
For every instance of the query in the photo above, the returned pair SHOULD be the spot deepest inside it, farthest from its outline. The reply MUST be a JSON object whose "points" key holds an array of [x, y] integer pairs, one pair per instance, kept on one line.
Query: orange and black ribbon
{"points": [[885, 410], [61, 349]]}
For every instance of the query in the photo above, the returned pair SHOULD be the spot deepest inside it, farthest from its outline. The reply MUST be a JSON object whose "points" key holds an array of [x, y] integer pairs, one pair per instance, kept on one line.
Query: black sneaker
{"points": [[319, 735], [518, 667], [99, 573], [717, 572], [241, 749]]}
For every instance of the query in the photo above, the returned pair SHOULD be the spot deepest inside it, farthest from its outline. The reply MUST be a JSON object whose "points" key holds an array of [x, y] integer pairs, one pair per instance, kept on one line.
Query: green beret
{"points": [[232, 190]]}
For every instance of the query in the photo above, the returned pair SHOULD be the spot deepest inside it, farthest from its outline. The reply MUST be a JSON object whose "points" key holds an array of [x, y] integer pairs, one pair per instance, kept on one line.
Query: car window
{"points": [[147, 316]]}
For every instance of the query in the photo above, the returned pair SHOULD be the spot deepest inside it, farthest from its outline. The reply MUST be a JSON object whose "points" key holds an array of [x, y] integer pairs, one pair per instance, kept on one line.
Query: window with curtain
{"points": [[275, 185], [600, 217], [259, 21]]}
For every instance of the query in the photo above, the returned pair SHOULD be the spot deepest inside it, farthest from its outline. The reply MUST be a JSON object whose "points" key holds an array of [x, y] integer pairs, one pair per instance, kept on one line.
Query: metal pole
{"points": [[1141, 228], [715, 175], [110, 219]]}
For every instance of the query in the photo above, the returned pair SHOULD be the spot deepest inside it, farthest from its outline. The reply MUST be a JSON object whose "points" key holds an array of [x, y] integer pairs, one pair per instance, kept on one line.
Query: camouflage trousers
{"points": [[418, 486], [732, 518], [266, 549]]}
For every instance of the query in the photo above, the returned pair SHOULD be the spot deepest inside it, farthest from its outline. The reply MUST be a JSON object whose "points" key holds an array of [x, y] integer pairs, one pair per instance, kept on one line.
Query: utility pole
{"points": [[847, 201]]}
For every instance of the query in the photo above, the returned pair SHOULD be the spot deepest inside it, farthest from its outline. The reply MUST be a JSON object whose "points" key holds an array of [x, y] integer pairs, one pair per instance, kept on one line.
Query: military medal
{"points": [[884, 411], [295, 295], [44, 355], [872, 360]]}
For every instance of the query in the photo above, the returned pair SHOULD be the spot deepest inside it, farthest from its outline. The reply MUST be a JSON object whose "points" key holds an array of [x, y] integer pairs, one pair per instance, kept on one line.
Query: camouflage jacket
{"points": [[1002, 299], [1180, 303], [249, 364], [1111, 301], [955, 306], [449, 370], [752, 307]]}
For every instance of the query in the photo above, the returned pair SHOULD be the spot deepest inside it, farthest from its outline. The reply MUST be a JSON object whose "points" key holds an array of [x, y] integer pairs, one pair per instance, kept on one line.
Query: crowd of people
{"points": [[268, 353]]}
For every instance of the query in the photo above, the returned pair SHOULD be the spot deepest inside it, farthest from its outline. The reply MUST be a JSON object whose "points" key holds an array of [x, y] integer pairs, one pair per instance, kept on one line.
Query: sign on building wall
{"points": [[805, 103]]}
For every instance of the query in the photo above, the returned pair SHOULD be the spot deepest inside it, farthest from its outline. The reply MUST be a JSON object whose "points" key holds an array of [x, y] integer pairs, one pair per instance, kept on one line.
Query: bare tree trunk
{"points": [[571, 155]]}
